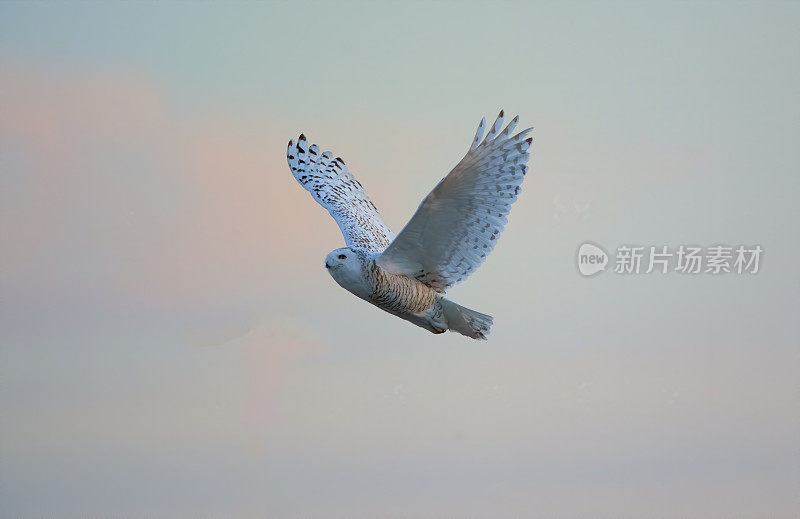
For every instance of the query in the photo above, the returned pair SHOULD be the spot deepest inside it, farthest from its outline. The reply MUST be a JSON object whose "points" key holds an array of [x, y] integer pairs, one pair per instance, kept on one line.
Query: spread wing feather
{"points": [[457, 225], [337, 190]]}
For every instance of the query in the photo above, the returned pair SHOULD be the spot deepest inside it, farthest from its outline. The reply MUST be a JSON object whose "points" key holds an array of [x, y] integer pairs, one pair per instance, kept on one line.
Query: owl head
{"points": [[342, 258], [344, 265]]}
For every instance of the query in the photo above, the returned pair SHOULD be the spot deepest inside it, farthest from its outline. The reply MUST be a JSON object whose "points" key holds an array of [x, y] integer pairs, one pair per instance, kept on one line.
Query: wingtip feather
{"points": [[479, 133]]}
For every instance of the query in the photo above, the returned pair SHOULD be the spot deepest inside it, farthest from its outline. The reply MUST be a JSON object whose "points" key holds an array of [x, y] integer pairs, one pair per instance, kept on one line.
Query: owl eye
{"points": [[342, 256]]}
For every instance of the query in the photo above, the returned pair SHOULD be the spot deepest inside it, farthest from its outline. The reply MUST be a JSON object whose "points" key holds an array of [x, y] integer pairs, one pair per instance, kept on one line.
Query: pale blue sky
{"points": [[171, 346]]}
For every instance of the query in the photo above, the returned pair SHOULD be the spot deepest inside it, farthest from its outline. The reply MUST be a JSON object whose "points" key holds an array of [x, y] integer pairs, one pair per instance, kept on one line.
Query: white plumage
{"points": [[332, 185], [453, 231]]}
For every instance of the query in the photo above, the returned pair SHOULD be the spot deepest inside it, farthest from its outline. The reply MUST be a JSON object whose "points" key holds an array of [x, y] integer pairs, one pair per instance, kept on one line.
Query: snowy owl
{"points": [[455, 227]]}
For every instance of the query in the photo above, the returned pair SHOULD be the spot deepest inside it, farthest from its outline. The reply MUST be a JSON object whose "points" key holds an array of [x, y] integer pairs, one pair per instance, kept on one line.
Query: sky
{"points": [[171, 346]]}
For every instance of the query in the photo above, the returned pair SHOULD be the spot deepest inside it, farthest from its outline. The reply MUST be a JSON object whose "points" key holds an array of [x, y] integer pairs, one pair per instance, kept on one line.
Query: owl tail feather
{"points": [[465, 321]]}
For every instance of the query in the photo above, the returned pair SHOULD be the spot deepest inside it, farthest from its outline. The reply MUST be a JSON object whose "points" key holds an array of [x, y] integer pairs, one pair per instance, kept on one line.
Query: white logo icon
{"points": [[591, 259]]}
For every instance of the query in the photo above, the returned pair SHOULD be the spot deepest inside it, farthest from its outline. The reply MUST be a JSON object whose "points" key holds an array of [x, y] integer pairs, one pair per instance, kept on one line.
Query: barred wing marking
{"points": [[337, 190]]}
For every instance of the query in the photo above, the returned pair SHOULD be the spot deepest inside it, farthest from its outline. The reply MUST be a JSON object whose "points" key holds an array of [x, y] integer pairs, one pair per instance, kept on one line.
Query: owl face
{"points": [[343, 258], [344, 265]]}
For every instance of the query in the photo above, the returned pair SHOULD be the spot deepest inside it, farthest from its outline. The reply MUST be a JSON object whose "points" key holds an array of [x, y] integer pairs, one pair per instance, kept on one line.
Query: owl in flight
{"points": [[455, 227]]}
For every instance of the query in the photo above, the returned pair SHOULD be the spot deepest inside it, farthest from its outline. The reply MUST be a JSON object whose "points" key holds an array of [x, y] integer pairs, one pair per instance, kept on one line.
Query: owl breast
{"points": [[399, 293]]}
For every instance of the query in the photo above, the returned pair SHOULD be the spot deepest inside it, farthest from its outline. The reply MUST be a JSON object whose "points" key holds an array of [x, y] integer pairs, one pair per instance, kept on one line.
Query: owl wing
{"points": [[337, 190], [457, 225]]}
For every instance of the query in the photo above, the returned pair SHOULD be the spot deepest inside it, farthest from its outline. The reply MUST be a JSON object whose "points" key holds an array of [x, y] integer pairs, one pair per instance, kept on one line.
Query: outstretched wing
{"points": [[329, 182], [458, 223]]}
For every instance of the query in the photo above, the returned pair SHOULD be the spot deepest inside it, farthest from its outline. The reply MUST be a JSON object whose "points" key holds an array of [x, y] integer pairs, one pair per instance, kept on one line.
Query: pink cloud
{"points": [[143, 201]]}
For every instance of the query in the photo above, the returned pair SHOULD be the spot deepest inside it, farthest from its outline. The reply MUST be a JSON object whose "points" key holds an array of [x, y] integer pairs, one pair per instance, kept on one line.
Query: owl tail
{"points": [[465, 321]]}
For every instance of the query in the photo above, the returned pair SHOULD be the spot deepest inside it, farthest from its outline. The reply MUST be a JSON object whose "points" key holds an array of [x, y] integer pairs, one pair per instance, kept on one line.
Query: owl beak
{"points": [[327, 266]]}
